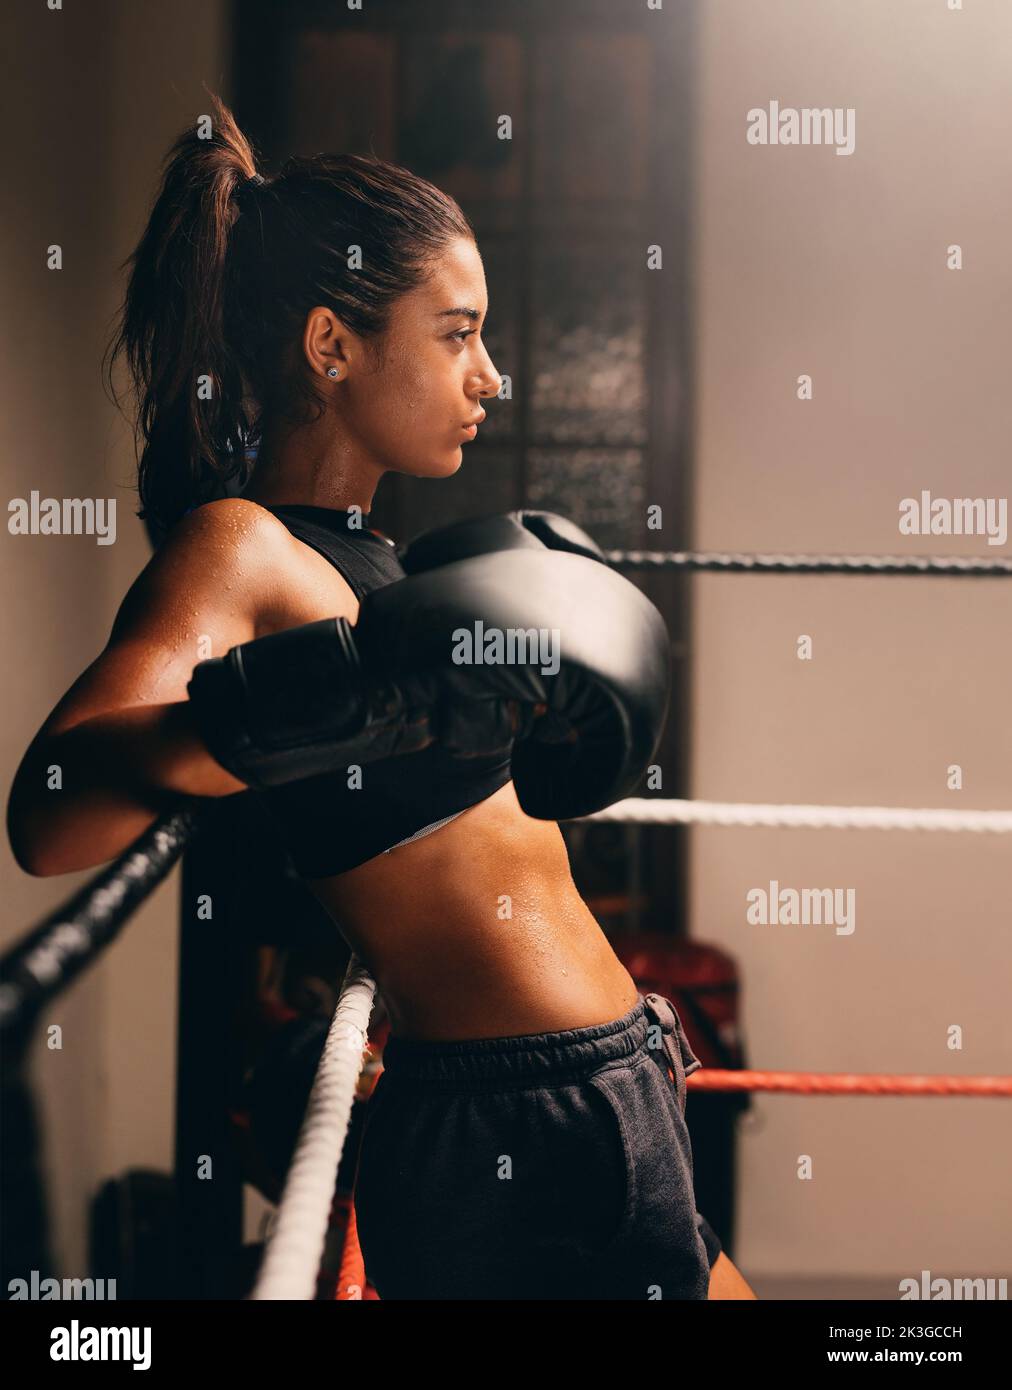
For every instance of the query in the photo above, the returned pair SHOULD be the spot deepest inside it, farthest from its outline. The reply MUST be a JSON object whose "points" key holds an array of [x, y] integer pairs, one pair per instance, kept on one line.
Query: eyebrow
{"points": [[471, 314]]}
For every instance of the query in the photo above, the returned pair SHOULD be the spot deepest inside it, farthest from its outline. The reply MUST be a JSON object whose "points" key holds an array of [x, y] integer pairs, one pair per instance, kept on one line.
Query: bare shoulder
{"points": [[234, 525], [224, 560], [203, 591], [284, 581]]}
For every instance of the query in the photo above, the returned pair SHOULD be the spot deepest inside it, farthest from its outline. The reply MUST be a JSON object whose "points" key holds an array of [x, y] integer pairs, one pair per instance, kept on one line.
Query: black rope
{"points": [[809, 564], [52, 954]]}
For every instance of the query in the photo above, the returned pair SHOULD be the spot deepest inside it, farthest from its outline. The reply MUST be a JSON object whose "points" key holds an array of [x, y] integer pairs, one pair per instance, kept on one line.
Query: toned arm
{"points": [[120, 744]]}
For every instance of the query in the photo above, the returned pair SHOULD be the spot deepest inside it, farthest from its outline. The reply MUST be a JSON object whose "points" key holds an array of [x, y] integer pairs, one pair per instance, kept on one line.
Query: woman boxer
{"points": [[527, 1136]]}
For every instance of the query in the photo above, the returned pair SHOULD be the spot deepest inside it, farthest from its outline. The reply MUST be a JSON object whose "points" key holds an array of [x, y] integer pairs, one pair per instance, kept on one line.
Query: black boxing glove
{"points": [[419, 666], [297, 703], [520, 530], [605, 685]]}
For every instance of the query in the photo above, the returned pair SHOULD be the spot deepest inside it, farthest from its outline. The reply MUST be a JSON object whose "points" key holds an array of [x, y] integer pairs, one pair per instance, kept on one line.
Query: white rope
{"points": [[295, 1246], [644, 811]]}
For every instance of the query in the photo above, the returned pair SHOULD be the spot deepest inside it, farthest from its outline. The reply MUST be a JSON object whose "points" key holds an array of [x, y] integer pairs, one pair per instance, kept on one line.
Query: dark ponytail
{"points": [[222, 281]]}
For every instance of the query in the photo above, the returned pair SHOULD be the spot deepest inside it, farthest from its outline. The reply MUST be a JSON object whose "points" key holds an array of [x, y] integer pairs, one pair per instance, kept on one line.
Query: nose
{"points": [[489, 380]]}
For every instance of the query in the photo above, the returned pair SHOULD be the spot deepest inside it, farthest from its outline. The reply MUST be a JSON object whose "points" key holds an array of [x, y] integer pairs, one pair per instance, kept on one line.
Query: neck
{"points": [[312, 473]]}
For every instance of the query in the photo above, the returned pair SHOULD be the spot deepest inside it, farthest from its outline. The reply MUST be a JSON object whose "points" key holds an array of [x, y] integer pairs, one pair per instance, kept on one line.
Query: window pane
{"points": [[602, 490], [589, 322]]}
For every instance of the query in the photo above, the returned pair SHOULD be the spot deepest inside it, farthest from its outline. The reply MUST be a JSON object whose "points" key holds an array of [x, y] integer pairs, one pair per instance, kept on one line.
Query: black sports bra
{"points": [[331, 823]]}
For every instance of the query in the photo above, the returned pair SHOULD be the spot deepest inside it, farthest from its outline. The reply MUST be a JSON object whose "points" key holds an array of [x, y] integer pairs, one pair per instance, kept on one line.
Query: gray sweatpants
{"points": [[543, 1166]]}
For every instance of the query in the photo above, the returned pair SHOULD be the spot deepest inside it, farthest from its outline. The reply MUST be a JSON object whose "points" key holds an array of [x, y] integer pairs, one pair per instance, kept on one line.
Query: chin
{"points": [[432, 466], [443, 469]]}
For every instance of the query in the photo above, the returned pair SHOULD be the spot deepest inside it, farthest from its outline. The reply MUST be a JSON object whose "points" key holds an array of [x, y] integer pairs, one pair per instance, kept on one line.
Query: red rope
{"points": [[847, 1084], [351, 1275]]}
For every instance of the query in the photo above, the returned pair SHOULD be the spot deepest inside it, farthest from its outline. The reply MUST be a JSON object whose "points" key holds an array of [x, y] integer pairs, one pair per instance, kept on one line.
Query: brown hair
{"points": [[222, 280]]}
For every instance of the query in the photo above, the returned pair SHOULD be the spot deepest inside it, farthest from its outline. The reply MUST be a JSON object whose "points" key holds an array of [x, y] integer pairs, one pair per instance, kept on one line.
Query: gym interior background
{"points": [[777, 263]]}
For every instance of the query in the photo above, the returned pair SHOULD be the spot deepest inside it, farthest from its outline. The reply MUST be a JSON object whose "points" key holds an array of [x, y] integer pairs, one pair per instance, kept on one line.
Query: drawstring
{"points": [[675, 1043]]}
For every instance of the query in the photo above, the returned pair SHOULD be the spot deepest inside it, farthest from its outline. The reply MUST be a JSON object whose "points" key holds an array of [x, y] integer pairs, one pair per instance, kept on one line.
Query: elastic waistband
{"points": [[540, 1057]]}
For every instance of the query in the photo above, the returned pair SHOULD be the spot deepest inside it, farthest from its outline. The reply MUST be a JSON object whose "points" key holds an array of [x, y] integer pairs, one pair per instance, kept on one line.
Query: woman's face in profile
{"points": [[407, 403]]}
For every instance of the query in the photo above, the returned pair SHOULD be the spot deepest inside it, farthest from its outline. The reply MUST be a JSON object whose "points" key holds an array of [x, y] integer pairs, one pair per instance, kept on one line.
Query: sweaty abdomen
{"points": [[477, 930]]}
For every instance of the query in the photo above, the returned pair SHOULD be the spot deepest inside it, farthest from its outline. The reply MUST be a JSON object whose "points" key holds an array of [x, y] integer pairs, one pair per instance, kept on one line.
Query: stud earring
{"points": [[332, 371]]}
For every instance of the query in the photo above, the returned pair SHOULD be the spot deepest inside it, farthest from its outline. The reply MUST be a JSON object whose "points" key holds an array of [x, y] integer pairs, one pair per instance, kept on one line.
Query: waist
{"points": [[466, 962], [529, 1057], [546, 1058]]}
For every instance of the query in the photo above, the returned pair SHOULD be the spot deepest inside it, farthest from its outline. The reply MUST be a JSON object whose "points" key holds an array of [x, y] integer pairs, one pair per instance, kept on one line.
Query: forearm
{"points": [[83, 795]]}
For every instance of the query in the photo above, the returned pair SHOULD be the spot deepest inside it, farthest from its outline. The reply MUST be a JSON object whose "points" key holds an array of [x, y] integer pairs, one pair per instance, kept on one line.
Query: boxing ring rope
{"points": [[295, 1245], [69, 939], [731, 562], [801, 1083], [647, 811]]}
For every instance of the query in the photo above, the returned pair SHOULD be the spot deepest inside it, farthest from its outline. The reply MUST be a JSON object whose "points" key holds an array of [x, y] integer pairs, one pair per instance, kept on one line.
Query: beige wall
{"points": [[809, 262], [100, 91]]}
